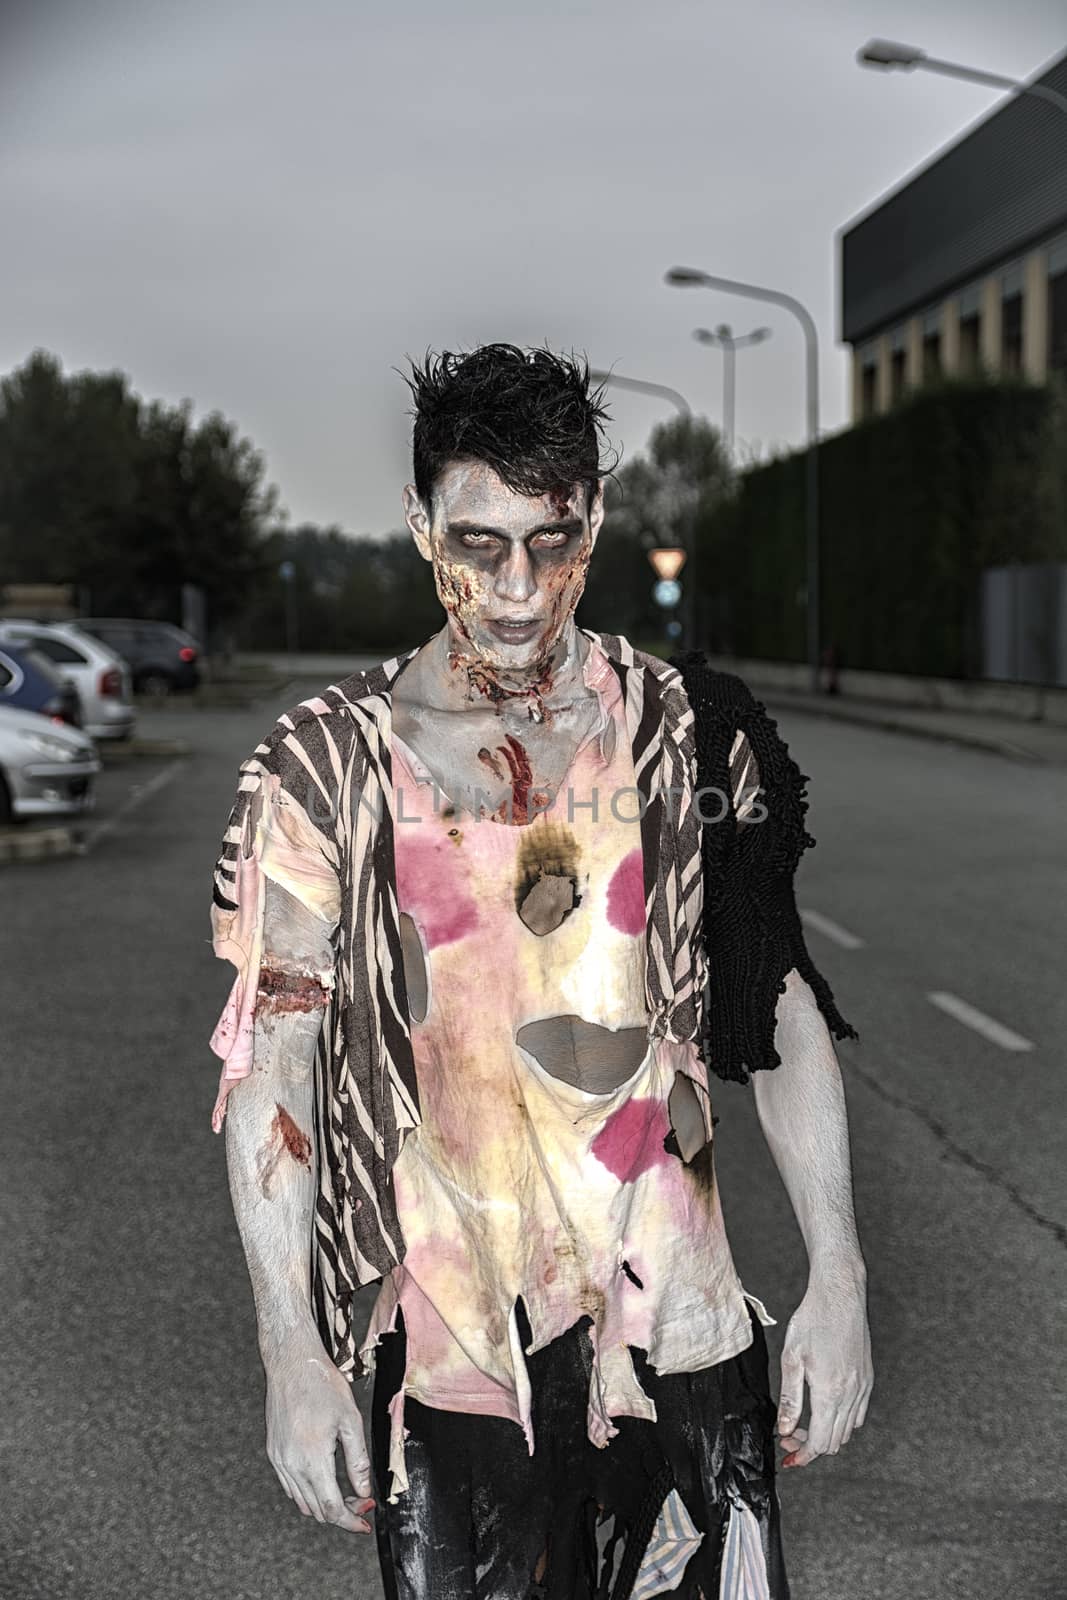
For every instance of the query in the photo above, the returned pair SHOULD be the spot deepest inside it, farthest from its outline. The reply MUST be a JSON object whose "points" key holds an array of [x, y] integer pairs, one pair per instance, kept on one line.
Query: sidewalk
{"points": [[1018, 740]]}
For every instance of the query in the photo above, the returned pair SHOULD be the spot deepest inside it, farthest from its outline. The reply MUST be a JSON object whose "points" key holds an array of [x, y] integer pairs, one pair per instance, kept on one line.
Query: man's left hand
{"points": [[828, 1346]]}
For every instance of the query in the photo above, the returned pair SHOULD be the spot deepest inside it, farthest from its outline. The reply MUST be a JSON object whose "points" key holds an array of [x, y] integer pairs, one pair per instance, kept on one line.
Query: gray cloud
{"points": [[266, 207]]}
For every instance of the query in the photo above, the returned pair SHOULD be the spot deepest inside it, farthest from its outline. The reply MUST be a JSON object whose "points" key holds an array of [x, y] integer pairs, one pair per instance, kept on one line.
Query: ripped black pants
{"points": [[484, 1520]]}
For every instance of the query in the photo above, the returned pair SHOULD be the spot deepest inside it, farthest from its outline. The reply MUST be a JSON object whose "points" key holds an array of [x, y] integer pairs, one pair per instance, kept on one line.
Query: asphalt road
{"points": [[131, 1432]]}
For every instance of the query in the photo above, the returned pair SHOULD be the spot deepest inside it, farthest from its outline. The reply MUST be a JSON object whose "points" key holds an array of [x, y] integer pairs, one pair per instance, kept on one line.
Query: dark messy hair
{"points": [[528, 414]]}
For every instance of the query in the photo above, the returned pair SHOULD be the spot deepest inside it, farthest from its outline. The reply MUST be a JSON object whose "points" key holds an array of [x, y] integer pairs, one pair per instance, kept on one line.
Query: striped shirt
{"points": [[324, 774]]}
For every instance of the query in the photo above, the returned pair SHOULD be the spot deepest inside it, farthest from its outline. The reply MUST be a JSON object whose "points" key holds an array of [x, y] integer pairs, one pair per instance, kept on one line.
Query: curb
{"points": [[892, 724], [233, 694], [21, 845], [117, 754]]}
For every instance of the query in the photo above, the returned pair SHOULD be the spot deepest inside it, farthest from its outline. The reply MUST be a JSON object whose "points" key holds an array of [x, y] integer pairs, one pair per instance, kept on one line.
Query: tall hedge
{"points": [[913, 506]]}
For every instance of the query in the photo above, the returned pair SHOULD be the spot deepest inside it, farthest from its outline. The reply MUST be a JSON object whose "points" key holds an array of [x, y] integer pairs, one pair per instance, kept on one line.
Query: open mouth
{"points": [[514, 632]]}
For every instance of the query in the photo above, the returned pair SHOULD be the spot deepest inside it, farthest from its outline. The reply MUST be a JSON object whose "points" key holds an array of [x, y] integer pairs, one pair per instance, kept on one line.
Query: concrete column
{"points": [[913, 368], [857, 385], [990, 334], [1035, 316], [950, 337], [883, 388]]}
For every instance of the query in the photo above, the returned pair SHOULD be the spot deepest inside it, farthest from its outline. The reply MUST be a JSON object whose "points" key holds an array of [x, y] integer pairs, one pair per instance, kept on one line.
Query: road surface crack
{"points": [[958, 1153]]}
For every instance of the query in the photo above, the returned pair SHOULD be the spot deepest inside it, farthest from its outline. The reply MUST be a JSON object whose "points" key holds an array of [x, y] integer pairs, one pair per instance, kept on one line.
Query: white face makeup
{"points": [[509, 569]]}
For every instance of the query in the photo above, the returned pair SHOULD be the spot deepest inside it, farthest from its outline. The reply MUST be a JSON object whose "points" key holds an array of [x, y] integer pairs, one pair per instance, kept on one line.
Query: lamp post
{"points": [[888, 56], [684, 277], [723, 337], [660, 391]]}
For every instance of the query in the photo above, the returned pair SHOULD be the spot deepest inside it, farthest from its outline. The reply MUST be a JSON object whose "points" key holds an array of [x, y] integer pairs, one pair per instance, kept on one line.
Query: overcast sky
{"points": [[266, 206]]}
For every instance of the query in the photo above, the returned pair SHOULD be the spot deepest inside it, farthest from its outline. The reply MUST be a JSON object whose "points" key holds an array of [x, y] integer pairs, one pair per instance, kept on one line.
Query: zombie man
{"points": [[499, 907]]}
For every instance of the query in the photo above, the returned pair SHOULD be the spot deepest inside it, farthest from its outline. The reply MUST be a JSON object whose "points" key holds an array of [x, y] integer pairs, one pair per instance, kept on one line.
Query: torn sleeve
{"points": [[269, 837], [752, 931]]}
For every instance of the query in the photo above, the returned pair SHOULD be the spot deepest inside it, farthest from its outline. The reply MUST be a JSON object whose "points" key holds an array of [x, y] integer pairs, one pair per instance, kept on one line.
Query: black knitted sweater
{"points": [[752, 929]]}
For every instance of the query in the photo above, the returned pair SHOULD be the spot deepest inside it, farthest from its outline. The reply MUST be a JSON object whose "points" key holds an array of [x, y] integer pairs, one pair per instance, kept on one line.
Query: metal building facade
{"points": [[997, 193]]}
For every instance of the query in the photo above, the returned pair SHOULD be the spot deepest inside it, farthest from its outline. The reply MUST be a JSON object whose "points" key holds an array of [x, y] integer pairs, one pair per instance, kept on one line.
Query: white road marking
{"points": [[138, 795], [832, 930], [988, 1027]]}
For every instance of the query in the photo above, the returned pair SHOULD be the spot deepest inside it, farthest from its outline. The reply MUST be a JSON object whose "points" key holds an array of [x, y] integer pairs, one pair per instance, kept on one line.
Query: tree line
{"points": [[126, 500]]}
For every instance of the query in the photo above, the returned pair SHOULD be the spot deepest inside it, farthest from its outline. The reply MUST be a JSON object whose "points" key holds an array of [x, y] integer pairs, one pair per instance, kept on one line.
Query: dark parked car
{"points": [[29, 682], [162, 658]]}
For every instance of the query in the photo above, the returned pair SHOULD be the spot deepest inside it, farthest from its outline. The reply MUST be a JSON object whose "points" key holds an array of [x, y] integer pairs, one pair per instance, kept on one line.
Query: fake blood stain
{"points": [[631, 1141], [488, 759], [443, 911], [626, 894], [521, 777], [293, 1138], [288, 991], [286, 1137]]}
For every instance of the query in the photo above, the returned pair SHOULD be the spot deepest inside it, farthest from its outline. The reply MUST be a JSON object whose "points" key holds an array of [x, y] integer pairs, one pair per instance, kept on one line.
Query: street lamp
{"points": [[692, 277], [723, 337], [660, 391], [888, 56]]}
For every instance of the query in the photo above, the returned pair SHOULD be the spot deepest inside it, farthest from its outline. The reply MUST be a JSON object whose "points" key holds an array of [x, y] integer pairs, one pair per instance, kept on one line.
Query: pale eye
{"points": [[553, 541], [476, 541]]}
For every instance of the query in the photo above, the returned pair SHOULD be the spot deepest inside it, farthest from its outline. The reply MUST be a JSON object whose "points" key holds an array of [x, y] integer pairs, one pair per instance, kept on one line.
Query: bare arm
{"points": [[271, 1160], [801, 1108]]}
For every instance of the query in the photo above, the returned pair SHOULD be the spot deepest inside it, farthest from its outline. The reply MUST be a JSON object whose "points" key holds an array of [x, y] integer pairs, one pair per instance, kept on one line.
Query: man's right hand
{"points": [[309, 1408]]}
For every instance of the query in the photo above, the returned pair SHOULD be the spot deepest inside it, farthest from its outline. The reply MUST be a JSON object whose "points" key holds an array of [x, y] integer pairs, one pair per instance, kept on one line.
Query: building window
{"points": [[868, 391], [970, 343], [1011, 335], [931, 357], [1057, 322], [970, 314], [898, 373], [931, 345]]}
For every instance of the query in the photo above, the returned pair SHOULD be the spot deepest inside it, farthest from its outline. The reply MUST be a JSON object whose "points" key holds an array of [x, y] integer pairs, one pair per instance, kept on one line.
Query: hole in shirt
{"points": [[416, 973], [584, 1054], [687, 1133], [547, 903], [546, 882], [251, 823], [632, 1275]]}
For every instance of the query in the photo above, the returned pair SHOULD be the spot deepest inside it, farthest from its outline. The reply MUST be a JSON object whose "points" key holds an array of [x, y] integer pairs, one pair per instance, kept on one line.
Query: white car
{"points": [[46, 768], [101, 677]]}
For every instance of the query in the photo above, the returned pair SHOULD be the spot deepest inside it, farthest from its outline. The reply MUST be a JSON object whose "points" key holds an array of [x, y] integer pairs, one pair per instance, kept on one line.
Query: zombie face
{"points": [[509, 568]]}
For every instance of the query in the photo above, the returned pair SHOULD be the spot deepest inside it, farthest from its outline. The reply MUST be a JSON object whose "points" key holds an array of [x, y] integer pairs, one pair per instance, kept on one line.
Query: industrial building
{"points": [[963, 266]]}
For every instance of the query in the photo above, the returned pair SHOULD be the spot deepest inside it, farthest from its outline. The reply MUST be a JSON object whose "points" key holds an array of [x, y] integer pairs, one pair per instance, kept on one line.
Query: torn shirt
{"points": [[314, 808], [546, 1179], [276, 840]]}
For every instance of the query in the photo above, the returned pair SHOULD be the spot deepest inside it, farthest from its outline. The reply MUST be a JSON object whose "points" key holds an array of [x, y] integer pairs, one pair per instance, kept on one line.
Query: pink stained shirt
{"points": [[520, 1183]]}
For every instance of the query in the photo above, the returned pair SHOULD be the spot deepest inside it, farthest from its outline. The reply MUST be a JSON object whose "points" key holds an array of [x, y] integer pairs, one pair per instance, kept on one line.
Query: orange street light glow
{"points": [[667, 561]]}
